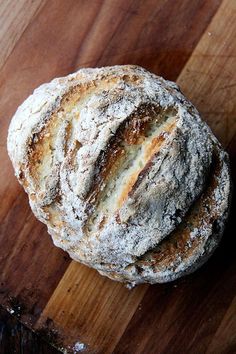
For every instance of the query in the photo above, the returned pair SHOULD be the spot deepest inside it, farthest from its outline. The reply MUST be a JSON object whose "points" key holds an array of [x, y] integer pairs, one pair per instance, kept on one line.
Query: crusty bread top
{"points": [[193, 240], [112, 159]]}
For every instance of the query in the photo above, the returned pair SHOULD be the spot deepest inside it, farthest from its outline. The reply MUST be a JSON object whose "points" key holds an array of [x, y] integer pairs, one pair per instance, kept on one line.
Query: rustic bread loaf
{"points": [[120, 167]]}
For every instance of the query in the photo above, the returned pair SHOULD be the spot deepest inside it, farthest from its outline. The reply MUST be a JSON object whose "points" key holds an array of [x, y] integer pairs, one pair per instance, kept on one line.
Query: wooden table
{"points": [[190, 41]]}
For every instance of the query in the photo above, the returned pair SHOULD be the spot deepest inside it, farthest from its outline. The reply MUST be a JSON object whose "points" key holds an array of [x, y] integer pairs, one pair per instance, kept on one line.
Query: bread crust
{"points": [[117, 163]]}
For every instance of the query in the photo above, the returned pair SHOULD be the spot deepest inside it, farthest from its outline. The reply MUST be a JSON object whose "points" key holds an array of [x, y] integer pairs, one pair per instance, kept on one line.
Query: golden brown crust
{"points": [[133, 132], [171, 257], [113, 160]]}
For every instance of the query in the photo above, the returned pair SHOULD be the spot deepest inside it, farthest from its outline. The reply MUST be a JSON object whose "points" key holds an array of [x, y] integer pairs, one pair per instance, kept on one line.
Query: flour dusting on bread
{"points": [[120, 167]]}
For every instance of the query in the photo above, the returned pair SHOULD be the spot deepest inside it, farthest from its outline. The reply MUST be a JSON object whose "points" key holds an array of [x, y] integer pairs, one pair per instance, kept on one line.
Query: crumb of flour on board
{"points": [[130, 285], [79, 347]]}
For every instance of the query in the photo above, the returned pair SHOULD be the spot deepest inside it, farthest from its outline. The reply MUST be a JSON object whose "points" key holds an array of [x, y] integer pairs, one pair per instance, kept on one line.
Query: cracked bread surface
{"points": [[120, 167]]}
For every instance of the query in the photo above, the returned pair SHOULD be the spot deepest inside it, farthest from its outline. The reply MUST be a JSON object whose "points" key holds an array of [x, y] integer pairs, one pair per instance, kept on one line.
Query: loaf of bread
{"points": [[120, 167]]}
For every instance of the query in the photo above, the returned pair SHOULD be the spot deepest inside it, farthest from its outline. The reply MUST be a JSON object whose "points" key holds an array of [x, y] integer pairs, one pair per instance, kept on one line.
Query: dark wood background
{"points": [[190, 41]]}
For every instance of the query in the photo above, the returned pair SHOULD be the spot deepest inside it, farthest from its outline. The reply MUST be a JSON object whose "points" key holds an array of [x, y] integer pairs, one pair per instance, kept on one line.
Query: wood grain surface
{"points": [[16, 338], [68, 304]]}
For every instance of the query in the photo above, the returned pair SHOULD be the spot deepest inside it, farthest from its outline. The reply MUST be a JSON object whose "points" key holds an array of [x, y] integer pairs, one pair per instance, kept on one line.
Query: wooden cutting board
{"points": [[72, 306]]}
